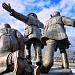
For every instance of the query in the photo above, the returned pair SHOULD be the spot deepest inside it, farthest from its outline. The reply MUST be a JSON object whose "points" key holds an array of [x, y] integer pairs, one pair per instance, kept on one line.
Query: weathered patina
{"points": [[12, 51], [32, 31], [55, 37]]}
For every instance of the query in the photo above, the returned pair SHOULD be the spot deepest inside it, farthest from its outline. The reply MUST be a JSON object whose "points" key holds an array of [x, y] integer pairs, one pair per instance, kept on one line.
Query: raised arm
{"points": [[68, 21], [13, 13], [46, 26], [21, 43]]}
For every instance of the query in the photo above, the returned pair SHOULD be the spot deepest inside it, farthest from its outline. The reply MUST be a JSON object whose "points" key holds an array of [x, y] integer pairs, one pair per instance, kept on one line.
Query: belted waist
{"points": [[33, 25]]}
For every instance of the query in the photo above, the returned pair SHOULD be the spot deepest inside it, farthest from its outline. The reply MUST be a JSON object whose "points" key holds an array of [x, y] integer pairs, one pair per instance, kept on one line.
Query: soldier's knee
{"points": [[46, 66], [48, 63]]}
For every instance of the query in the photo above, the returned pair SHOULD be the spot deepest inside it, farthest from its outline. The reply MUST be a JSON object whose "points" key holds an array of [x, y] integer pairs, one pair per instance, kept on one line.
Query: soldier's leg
{"points": [[38, 54], [23, 68], [28, 53], [48, 56], [65, 63], [7, 63], [21, 65]]}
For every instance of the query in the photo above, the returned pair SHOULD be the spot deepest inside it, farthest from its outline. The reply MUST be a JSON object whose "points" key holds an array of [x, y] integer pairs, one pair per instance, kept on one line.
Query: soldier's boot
{"points": [[46, 66], [28, 55], [38, 56], [10, 68], [9, 63], [37, 70], [23, 68], [65, 63], [38, 53]]}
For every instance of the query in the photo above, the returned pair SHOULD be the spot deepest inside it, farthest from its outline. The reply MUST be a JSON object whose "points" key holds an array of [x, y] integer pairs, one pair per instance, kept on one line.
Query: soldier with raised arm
{"points": [[32, 31], [55, 37]]}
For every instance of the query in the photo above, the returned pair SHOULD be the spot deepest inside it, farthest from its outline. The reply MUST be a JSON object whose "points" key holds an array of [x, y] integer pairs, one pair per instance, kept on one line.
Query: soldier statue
{"points": [[55, 37], [32, 31], [12, 51]]}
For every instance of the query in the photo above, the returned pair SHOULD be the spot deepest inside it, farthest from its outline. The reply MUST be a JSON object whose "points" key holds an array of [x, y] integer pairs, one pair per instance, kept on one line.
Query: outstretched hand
{"points": [[7, 7]]}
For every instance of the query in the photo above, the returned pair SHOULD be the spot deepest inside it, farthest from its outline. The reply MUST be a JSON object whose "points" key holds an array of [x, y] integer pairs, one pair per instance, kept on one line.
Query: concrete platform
{"points": [[53, 71], [59, 71], [4, 68], [11, 73]]}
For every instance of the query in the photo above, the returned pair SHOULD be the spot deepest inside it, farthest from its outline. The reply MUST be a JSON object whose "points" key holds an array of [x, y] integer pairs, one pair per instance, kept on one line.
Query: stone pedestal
{"points": [[36, 70], [59, 71], [11, 73], [4, 68], [53, 71]]}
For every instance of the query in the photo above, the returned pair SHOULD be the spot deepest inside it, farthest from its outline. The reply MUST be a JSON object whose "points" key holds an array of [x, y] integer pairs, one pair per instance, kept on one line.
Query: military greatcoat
{"points": [[55, 28], [32, 25]]}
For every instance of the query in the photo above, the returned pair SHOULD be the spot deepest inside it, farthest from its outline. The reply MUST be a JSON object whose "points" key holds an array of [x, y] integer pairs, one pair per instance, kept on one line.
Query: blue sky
{"points": [[43, 9]]}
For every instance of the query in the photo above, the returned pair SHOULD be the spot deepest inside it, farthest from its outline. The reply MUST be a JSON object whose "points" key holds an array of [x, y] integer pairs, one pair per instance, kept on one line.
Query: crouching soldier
{"points": [[12, 51]]}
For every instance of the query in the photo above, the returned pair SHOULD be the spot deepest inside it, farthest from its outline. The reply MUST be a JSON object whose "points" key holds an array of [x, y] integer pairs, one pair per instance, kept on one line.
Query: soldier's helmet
{"points": [[56, 13], [32, 14], [6, 26]]}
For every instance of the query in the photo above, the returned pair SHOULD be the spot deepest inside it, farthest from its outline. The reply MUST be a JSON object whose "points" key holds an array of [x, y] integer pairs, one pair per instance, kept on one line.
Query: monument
{"points": [[54, 37]]}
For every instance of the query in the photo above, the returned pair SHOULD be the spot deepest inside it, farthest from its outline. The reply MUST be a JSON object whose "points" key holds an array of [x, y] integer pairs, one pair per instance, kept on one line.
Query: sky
{"points": [[43, 9]]}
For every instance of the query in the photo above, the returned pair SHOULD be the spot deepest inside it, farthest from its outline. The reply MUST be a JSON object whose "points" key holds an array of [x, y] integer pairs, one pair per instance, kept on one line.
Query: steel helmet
{"points": [[56, 13]]}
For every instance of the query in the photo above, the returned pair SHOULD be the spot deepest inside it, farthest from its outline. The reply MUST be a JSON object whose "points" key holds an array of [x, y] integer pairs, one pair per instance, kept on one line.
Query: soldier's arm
{"points": [[19, 16], [13, 13], [46, 26], [68, 21], [40, 24], [21, 44]]}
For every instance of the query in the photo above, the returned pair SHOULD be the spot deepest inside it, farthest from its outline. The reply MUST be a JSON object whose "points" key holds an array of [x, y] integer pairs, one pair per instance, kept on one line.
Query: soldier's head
{"points": [[32, 14], [56, 13], [6, 25]]}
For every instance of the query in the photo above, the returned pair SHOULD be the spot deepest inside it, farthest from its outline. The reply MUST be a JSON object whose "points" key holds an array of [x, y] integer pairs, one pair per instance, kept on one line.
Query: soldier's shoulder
{"points": [[2, 30], [48, 20]]}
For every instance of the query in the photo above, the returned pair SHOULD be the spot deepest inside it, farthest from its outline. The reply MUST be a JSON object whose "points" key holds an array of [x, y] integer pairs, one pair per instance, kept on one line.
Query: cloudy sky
{"points": [[43, 9]]}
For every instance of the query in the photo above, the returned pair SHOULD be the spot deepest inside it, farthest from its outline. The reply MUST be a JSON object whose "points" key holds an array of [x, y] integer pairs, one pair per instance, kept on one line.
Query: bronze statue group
{"points": [[17, 48]]}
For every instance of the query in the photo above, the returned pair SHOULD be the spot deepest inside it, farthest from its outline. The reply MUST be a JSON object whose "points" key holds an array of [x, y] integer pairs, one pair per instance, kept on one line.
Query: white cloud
{"points": [[44, 15], [64, 7], [6, 18], [34, 3], [29, 1], [15, 4]]}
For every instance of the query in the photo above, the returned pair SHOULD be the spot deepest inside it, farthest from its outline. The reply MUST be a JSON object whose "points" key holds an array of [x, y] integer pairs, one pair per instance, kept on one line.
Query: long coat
{"points": [[55, 28], [10, 40], [32, 25]]}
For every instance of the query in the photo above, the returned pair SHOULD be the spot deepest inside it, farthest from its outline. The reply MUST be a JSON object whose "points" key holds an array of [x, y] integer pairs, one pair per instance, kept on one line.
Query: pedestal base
{"points": [[59, 71], [11, 73], [3, 69], [53, 71]]}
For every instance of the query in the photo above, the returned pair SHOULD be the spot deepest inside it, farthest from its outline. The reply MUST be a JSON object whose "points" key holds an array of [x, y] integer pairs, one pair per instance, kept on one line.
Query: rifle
{"points": [[51, 15]]}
